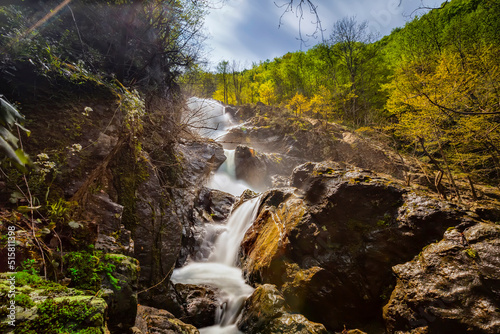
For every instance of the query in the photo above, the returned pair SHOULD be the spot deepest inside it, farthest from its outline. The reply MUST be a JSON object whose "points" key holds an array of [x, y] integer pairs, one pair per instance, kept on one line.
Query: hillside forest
{"points": [[431, 87]]}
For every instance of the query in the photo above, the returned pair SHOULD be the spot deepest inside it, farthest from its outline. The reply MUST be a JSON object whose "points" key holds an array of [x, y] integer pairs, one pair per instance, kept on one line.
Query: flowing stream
{"points": [[220, 269]]}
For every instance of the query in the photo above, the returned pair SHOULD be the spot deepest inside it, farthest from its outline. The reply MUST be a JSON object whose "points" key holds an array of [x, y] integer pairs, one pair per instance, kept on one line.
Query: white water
{"points": [[224, 178], [207, 117], [220, 268]]}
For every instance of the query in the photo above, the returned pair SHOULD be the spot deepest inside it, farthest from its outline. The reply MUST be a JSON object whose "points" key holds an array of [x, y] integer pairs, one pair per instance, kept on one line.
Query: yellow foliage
{"points": [[298, 104], [445, 100], [266, 93], [320, 103]]}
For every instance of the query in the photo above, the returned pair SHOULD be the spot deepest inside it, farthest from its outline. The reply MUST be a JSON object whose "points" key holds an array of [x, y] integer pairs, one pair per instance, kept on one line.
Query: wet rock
{"points": [[214, 203], [156, 321], [249, 166], [265, 312], [199, 303], [210, 210], [294, 323], [199, 160], [453, 286], [330, 243], [112, 235], [120, 292]]}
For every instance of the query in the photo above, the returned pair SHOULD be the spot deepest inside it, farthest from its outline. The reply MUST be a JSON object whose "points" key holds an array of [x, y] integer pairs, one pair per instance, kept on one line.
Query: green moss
{"points": [[67, 315], [385, 221], [23, 300], [471, 252], [87, 270]]}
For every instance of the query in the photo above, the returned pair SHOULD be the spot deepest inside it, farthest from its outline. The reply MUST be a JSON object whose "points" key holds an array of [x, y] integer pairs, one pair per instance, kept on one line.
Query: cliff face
{"points": [[109, 180]]}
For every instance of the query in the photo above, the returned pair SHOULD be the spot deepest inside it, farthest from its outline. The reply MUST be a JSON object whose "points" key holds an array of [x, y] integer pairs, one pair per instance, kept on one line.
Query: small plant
{"points": [[29, 266], [471, 252], [59, 211]]}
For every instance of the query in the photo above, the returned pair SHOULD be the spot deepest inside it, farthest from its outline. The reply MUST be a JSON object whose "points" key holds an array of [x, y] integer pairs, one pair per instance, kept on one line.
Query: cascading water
{"points": [[225, 177], [220, 268]]}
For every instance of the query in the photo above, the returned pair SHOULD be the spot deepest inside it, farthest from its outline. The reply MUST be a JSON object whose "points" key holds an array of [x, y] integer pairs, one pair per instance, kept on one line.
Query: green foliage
{"points": [[88, 268], [59, 212], [29, 266], [9, 117]]}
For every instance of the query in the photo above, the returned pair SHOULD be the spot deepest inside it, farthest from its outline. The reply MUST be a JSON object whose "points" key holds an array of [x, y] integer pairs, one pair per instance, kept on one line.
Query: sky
{"points": [[249, 31]]}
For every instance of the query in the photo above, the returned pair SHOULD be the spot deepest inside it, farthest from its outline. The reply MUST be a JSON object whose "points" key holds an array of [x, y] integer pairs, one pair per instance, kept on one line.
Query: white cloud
{"points": [[247, 30]]}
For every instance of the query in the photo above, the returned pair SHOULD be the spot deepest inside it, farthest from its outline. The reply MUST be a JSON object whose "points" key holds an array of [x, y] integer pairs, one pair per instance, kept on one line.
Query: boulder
{"points": [[210, 210], [329, 243], [199, 302], [199, 159], [156, 321], [452, 286], [265, 312], [112, 236], [119, 290]]}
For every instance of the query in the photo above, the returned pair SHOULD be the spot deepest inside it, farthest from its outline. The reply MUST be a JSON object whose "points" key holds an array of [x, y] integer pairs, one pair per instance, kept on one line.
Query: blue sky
{"points": [[248, 30]]}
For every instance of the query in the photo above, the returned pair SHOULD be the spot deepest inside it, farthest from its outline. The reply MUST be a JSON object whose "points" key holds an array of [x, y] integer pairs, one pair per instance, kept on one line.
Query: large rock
{"points": [[452, 286], [265, 312], [211, 209], [199, 303], [112, 236], [155, 321], [330, 243], [119, 290]]}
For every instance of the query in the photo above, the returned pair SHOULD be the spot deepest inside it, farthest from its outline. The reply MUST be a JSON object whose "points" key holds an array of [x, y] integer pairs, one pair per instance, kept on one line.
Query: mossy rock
{"points": [[47, 307]]}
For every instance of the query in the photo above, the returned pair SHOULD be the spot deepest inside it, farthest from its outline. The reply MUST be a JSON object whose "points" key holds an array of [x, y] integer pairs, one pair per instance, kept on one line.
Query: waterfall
{"points": [[225, 177], [220, 269]]}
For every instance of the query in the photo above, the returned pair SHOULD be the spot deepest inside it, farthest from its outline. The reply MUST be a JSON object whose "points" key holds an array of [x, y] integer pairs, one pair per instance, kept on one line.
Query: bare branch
{"points": [[299, 9]]}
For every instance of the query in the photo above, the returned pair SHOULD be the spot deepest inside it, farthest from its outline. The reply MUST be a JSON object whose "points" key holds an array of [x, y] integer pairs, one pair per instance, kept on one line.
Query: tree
{"points": [[223, 71], [298, 104], [237, 81], [349, 43]]}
